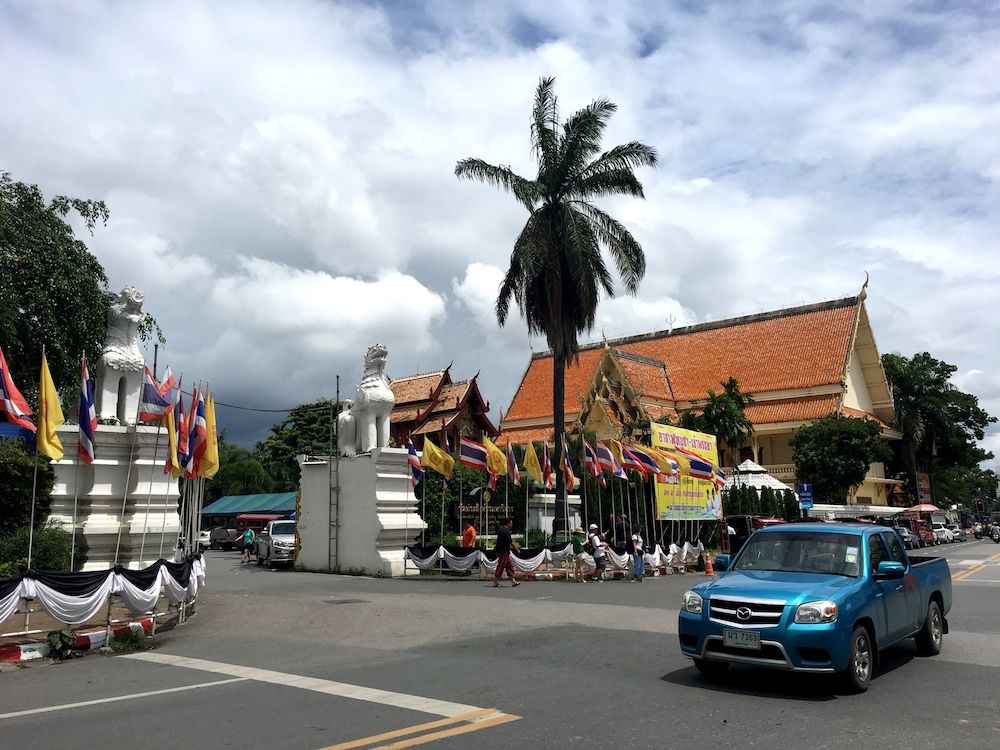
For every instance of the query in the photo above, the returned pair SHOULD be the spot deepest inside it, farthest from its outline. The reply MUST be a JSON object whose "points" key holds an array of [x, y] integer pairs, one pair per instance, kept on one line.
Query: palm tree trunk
{"points": [[559, 425]]}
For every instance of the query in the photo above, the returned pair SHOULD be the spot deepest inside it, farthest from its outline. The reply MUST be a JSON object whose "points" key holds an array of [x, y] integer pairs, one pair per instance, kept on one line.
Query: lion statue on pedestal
{"points": [[366, 425], [120, 367]]}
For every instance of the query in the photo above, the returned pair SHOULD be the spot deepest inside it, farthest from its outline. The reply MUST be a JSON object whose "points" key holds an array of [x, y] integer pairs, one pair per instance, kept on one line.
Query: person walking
{"points": [[577, 540], [599, 547], [469, 536], [638, 561], [248, 540], [503, 548]]}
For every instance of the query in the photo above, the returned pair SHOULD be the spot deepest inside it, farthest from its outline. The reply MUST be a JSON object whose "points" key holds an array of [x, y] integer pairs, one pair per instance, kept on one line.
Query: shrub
{"points": [[50, 549]]}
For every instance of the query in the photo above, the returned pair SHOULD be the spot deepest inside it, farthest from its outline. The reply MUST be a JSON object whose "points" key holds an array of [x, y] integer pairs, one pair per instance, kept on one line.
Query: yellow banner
{"points": [[686, 498]]}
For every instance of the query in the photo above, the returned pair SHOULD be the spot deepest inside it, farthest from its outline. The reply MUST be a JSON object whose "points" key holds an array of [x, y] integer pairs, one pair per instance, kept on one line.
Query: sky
{"points": [[280, 175]]}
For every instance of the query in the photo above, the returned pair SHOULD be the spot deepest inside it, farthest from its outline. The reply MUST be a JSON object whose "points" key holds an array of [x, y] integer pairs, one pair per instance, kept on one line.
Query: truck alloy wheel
{"points": [[931, 635], [862, 663]]}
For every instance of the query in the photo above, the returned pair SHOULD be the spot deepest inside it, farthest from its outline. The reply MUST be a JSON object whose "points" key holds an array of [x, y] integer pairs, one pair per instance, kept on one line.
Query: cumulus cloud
{"points": [[280, 175]]}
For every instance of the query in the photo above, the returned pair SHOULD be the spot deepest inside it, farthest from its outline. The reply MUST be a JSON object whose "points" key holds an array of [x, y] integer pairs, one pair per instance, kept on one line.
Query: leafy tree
{"points": [[306, 429], [50, 549], [240, 473], [17, 467], [53, 291], [834, 454], [724, 415], [940, 424], [557, 272]]}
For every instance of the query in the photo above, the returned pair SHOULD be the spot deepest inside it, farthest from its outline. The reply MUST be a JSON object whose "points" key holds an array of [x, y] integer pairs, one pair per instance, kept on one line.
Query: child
{"points": [[638, 563]]}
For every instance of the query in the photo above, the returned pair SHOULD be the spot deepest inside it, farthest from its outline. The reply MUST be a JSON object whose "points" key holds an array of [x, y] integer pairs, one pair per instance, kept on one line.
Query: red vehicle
{"points": [[744, 526], [255, 521], [918, 526]]}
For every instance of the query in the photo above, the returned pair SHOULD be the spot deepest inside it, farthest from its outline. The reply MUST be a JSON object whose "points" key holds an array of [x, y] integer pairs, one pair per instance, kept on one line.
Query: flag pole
{"points": [[583, 481], [166, 492], [34, 489], [423, 514], [128, 478], [149, 493]]}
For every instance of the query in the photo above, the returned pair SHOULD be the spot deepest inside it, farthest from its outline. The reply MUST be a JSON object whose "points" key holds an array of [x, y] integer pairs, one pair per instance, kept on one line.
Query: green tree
{"points": [[557, 272], [724, 415], [53, 291], [240, 473], [17, 467], [834, 454], [940, 424], [306, 429]]}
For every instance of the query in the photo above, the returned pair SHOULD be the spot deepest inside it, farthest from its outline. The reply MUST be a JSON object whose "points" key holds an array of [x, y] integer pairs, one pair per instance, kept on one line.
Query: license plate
{"points": [[741, 638]]}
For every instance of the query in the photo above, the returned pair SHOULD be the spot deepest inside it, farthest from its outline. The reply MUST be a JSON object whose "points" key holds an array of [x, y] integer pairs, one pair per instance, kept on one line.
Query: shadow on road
{"points": [[764, 683]]}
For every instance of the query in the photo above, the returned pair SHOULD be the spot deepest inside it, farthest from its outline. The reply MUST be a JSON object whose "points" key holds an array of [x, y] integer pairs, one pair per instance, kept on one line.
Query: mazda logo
{"points": [[744, 613]]}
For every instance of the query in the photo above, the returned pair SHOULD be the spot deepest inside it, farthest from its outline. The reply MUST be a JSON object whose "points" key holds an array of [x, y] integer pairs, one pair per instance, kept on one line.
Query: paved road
{"points": [[296, 660]]}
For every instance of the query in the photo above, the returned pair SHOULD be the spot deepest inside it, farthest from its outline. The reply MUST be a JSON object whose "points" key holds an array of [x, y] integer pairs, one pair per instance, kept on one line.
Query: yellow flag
{"points": [[173, 465], [663, 463], [496, 459], [210, 460], [50, 415], [615, 447], [531, 464], [435, 459]]}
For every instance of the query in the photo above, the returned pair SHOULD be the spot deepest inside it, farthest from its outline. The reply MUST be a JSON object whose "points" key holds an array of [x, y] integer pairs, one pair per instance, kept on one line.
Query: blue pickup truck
{"points": [[816, 597]]}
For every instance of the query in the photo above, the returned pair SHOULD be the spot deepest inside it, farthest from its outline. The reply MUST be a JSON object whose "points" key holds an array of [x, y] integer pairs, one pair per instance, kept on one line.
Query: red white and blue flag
{"points": [[652, 468], [12, 403], [472, 454], [153, 403], [591, 464], [88, 417], [416, 470], [491, 482], [513, 473], [700, 468], [631, 460], [167, 383], [567, 467], [546, 466], [198, 434], [608, 461]]}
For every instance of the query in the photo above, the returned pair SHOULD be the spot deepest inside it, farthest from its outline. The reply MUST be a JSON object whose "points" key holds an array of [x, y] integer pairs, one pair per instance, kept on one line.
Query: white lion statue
{"points": [[366, 425], [119, 370]]}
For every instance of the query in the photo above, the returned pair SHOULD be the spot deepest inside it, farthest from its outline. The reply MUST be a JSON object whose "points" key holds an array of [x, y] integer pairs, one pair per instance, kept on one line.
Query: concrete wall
{"points": [[367, 527], [125, 468]]}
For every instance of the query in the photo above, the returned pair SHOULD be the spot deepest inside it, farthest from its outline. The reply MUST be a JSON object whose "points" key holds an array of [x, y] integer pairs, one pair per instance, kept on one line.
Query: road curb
{"points": [[84, 642]]}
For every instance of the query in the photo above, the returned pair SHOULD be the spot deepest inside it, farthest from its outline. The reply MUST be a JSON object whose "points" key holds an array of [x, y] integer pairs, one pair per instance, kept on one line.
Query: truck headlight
{"points": [[816, 612], [691, 602]]}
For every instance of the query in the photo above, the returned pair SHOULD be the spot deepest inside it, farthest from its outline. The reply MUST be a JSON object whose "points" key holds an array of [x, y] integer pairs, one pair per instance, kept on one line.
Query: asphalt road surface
{"points": [[279, 659]]}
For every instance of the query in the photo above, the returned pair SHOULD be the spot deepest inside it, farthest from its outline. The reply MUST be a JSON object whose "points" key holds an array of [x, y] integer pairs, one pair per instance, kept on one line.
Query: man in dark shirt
{"points": [[503, 547]]}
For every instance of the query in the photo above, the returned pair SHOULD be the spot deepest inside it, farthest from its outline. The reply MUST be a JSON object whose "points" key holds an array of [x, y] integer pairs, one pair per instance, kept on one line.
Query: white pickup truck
{"points": [[276, 543]]}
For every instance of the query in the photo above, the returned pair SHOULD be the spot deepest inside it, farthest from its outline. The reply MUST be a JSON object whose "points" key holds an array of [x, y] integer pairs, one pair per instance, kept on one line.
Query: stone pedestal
{"points": [[125, 469], [366, 529]]}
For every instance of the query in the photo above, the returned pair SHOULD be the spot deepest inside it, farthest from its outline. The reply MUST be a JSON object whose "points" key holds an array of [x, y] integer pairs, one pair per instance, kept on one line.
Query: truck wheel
{"points": [[931, 635], [862, 663], [711, 668]]}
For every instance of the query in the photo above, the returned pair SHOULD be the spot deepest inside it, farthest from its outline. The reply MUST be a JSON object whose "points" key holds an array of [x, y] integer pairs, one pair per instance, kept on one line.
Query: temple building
{"points": [[798, 365], [432, 404]]}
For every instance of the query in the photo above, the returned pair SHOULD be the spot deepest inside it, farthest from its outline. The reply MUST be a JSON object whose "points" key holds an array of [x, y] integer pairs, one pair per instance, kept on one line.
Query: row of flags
{"points": [[613, 457], [193, 446]]}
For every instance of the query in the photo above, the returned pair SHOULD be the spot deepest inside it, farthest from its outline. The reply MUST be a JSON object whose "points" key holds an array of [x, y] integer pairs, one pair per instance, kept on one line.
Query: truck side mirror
{"points": [[890, 569], [722, 562]]}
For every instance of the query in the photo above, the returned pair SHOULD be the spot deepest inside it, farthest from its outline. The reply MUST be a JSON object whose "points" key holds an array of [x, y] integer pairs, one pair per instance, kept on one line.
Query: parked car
{"points": [[957, 533], [204, 540], [276, 543], [816, 598], [222, 538], [919, 527], [942, 533], [910, 540]]}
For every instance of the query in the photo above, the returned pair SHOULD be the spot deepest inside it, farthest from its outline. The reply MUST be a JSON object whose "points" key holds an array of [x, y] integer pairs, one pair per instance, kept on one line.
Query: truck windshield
{"points": [[288, 527], [802, 552]]}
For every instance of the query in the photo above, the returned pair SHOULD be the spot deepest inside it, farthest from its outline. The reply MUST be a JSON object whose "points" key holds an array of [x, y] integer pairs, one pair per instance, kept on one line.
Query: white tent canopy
{"points": [[749, 474]]}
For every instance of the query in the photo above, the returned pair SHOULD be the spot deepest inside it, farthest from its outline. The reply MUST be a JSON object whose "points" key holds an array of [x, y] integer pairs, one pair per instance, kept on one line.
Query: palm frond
{"points": [[526, 191], [581, 138], [544, 118], [625, 251], [628, 156], [528, 261], [608, 182]]}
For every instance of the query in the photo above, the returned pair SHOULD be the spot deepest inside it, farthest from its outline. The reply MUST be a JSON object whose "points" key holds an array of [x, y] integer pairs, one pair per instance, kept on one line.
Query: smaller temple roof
{"points": [[646, 375], [415, 388]]}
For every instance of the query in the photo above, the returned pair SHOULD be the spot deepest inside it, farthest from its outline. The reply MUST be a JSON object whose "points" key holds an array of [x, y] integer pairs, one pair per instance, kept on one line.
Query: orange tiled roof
{"points": [[406, 413], [521, 435], [437, 423], [851, 412], [803, 409], [786, 349], [416, 387], [647, 376], [452, 395]]}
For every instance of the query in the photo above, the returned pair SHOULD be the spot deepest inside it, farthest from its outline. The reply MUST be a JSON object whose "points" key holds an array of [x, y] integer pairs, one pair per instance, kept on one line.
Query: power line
{"points": [[316, 407]]}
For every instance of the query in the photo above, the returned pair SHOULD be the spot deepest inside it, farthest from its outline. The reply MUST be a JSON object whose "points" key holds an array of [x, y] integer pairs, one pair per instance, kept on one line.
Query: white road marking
{"points": [[329, 687], [131, 696]]}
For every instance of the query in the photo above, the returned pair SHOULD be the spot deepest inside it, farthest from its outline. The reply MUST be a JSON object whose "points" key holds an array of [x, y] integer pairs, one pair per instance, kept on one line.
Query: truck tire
{"points": [[711, 668], [861, 666], [931, 635]]}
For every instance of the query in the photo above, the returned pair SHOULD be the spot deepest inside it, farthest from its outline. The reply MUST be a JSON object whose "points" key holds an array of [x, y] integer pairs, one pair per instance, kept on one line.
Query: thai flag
{"points": [[153, 404], [181, 422], [472, 454], [196, 435], [12, 403], [591, 463], [546, 466], [700, 468], [631, 460], [491, 483], [416, 470], [88, 417], [608, 461], [649, 464], [168, 383], [513, 474]]}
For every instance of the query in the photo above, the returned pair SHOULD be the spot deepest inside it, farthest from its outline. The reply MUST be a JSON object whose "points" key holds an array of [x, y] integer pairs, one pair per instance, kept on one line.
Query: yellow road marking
{"points": [[966, 573], [411, 730], [453, 732], [995, 558]]}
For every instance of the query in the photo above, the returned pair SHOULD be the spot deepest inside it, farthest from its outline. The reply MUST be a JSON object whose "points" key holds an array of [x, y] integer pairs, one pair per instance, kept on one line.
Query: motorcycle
{"points": [[996, 534]]}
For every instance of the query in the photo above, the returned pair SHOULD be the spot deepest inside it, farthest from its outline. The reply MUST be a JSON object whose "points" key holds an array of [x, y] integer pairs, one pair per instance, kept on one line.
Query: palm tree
{"points": [[557, 271]]}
